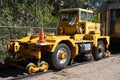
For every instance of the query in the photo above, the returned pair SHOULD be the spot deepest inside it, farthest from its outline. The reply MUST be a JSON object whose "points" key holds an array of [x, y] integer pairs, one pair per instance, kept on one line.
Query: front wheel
{"points": [[98, 52], [61, 56]]}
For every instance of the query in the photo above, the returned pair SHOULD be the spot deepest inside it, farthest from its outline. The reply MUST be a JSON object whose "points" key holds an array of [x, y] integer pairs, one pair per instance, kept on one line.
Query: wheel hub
{"points": [[62, 55], [100, 50]]}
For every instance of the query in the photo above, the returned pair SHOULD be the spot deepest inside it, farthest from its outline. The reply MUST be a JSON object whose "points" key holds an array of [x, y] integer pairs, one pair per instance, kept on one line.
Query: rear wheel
{"points": [[61, 56], [98, 51]]}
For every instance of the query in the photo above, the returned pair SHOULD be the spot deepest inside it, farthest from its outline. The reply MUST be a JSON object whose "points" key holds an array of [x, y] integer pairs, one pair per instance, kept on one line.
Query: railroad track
{"points": [[40, 73], [18, 74], [6, 71], [69, 66]]}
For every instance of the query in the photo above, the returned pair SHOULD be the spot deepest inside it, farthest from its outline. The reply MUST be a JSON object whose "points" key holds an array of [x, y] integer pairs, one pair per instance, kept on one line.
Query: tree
{"points": [[26, 13], [39, 12]]}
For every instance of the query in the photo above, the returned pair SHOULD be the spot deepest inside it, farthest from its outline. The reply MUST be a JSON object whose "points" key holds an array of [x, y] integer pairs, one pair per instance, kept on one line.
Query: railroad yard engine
{"points": [[76, 35]]}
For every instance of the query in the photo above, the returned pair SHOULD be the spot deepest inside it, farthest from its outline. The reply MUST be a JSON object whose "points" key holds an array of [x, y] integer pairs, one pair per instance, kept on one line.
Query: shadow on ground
{"points": [[10, 71]]}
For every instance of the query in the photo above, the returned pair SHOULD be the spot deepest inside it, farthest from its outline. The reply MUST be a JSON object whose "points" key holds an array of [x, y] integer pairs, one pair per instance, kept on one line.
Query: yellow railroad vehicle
{"points": [[76, 35], [110, 21]]}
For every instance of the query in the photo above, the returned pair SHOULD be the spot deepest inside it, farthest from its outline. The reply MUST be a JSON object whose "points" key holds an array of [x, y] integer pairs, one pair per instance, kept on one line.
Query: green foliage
{"points": [[95, 19], [3, 53], [39, 12], [44, 15], [26, 13]]}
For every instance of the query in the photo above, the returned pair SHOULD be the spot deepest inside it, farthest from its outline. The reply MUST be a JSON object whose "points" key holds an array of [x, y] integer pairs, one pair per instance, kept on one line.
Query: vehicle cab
{"points": [[76, 20]]}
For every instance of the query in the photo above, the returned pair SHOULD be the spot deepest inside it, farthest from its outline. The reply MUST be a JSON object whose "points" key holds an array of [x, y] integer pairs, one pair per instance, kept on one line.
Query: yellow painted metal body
{"points": [[70, 31]]}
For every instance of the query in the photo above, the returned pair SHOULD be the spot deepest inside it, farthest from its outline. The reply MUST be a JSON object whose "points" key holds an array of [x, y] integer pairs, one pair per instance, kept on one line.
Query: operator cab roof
{"points": [[75, 9]]}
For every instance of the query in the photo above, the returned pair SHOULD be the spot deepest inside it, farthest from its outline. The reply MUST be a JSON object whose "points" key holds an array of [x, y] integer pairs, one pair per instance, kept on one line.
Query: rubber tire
{"points": [[96, 54], [55, 62]]}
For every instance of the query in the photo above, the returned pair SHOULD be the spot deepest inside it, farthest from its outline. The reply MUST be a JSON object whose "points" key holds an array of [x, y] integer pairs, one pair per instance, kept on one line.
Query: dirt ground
{"points": [[106, 69]]}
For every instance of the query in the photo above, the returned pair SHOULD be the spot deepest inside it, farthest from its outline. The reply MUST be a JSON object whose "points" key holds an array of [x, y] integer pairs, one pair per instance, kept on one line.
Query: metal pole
{"points": [[1, 4], [35, 13], [59, 4], [99, 2]]}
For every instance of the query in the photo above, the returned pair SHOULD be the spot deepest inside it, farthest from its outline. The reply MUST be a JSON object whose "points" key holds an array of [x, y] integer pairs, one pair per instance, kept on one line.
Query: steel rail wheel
{"points": [[30, 68]]}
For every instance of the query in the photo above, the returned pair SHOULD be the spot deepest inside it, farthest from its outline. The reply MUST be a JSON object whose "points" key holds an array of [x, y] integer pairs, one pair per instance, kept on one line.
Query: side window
{"points": [[64, 16], [89, 17], [83, 16]]}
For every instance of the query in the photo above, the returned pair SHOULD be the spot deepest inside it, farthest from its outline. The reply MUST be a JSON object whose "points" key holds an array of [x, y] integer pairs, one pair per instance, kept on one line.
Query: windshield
{"points": [[65, 16], [73, 17], [70, 16]]}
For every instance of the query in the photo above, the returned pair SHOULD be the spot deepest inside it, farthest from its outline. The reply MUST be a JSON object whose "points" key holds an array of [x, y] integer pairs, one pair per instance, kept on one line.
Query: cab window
{"points": [[64, 16], [89, 17], [83, 16]]}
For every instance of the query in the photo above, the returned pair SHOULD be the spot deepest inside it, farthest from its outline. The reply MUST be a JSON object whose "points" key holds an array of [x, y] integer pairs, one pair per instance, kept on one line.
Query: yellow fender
{"points": [[105, 39], [71, 43]]}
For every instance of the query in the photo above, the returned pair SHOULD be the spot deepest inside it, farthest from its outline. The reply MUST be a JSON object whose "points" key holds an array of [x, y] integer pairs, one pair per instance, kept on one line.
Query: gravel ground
{"points": [[106, 69]]}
